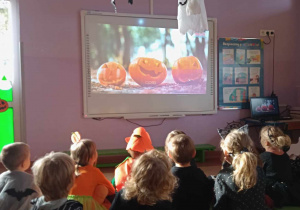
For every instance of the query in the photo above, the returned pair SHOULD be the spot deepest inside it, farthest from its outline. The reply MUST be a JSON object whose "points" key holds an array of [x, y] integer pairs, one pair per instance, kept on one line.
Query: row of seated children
{"points": [[246, 181], [150, 181]]}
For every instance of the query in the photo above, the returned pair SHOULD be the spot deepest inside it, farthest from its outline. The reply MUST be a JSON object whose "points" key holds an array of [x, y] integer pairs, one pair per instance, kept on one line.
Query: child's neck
{"points": [[182, 165], [275, 151], [20, 168]]}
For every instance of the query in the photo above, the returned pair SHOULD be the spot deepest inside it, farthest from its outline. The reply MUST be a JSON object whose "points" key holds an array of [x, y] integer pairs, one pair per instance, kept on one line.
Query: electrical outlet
{"points": [[264, 32]]}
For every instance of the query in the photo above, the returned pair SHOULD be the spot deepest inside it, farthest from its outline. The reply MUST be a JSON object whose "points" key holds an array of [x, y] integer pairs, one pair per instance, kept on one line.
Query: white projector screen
{"points": [[139, 66]]}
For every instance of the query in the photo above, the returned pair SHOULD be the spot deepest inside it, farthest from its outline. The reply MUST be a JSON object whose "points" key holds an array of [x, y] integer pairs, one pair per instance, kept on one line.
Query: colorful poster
{"points": [[240, 56], [234, 94], [227, 75], [240, 71], [254, 91], [228, 56], [241, 75], [254, 75]]}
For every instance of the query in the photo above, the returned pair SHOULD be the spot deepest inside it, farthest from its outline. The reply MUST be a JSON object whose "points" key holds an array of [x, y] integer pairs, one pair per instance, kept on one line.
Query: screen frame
{"points": [[262, 115], [89, 113]]}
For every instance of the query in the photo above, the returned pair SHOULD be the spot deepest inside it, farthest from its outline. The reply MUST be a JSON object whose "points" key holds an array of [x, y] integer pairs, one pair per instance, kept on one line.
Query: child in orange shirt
{"points": [[91, 186], [137, 144]]}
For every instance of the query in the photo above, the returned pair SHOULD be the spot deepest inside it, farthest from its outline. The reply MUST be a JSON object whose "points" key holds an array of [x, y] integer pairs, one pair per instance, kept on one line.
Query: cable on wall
{"points": [[273, 94]]}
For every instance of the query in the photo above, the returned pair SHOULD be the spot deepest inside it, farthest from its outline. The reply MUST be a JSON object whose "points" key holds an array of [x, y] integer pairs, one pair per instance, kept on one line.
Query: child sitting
{"points": [[17, 187], [193, 189], [137, 144], [279, 178], [91, 187], [172, 134], [240, 185], [54, 174], [149, 186]]}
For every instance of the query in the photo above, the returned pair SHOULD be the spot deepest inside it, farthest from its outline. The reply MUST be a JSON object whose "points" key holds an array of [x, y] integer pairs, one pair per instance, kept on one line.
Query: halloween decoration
{"points": [[3, 105], [75, 137], [113, 2], [187, 70], [192, 16], [5, 84], [147, 71], [111, 73]]}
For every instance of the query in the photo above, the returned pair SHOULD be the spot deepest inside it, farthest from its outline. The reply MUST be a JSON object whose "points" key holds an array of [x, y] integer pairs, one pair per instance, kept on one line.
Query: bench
{"points": [[107, 156]]}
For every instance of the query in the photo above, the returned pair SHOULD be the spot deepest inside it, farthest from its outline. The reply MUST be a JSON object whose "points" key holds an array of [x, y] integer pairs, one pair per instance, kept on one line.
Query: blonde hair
{"points": [[275, 137], [181, 148], [54, 175], [82, 152], [13, 155], [170, 135], [151, 179], [241, 148]]}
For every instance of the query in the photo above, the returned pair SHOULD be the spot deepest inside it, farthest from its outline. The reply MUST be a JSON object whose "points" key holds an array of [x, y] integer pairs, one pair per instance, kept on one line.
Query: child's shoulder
{"points": [[91, 169], [71, 205], [16, 174], [225, 172]]}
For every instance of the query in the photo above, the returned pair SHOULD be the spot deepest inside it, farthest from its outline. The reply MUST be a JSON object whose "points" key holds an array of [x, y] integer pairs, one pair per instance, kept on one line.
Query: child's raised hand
{"points": [[75, 137]]}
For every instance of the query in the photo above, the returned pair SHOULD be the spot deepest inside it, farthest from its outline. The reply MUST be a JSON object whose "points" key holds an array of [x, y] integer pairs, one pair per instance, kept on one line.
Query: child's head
{"points": [[139, 142], [271, 136], [151, 179], [239, 149], [170, 135], [83, 152], [16, 156], [181, 149], [54, 175]]}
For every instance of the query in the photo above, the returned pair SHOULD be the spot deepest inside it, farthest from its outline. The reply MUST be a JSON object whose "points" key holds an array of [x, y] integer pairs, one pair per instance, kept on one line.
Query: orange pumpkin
{"points": [[187, 70], [3, 105], [147, 71], [111, 73]]}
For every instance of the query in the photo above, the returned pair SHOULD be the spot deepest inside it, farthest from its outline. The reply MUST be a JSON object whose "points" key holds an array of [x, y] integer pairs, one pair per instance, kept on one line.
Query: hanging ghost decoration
{"points": [[113, 2], [192, 16]]}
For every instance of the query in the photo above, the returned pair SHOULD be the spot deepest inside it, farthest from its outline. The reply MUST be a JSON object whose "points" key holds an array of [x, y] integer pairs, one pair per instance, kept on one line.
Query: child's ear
{"points": [[194, 153], [226, 153], [268, 143], [170, 156]]}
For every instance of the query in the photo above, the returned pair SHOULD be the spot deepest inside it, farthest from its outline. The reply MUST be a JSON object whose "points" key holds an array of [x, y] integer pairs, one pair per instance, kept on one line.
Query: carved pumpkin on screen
{"points": [[187, 70], [147, 71], [111, 73], [3, 105]]}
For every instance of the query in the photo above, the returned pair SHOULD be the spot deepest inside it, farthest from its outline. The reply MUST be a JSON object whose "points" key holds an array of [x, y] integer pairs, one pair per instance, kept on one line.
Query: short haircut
{"points": [[181, 148], [13, 155], [170, 135], [54, 175], [151, 179]]}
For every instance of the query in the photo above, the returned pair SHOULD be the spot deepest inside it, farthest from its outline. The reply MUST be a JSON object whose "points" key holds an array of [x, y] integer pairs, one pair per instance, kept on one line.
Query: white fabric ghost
{"points": [[192, 16]]}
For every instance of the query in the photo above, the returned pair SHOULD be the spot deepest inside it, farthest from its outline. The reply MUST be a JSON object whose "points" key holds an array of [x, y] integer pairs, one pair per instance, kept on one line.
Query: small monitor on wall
{"points": [[264, 108]]}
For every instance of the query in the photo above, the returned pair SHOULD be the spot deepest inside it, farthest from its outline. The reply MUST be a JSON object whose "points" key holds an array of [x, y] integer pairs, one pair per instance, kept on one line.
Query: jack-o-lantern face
{"points": [[187, 70], [147, 71], [111, 73], [3, 105]]}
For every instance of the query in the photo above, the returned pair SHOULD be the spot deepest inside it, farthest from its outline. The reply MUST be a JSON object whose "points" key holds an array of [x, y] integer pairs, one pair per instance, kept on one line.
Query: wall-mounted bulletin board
{"points": [[241, 72]]}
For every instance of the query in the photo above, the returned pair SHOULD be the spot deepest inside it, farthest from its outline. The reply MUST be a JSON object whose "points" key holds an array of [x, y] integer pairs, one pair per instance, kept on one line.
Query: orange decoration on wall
{"points": [[3, 105], [147, 71], [187, 70], [111, 73]]}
